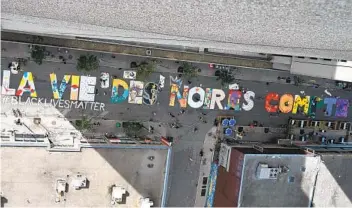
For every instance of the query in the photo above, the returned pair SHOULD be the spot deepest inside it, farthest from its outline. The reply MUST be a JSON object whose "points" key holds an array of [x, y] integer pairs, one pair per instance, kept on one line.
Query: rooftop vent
{"points": [[291, 179], [266, 172]]}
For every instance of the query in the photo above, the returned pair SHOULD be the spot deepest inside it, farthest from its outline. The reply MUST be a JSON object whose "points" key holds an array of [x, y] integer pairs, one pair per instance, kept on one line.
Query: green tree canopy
{"points": [[87, 63], [84, 124], [226, 77], [189, 70], [132, 129], [145, 69], [38, 54]]}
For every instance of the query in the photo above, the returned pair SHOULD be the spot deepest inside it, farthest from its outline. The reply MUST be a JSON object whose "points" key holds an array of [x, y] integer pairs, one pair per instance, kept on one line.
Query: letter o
{"points": [[200, 92], [286, 103]]}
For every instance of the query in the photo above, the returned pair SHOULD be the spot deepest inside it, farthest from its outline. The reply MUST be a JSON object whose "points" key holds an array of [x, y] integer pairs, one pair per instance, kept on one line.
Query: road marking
{"points": [[65, 112], [103, 114]]}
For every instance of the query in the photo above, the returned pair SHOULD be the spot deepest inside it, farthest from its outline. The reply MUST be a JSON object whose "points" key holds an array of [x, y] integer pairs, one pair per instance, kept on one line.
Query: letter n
{"points": [[182, 98]]}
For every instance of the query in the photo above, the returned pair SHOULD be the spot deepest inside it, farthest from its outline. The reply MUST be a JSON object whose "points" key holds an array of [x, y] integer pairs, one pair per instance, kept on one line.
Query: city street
{"points": [[184, 169]]}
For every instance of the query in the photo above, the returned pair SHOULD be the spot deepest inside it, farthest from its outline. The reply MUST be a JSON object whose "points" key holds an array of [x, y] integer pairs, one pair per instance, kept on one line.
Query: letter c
{"points": [[271, 97]]}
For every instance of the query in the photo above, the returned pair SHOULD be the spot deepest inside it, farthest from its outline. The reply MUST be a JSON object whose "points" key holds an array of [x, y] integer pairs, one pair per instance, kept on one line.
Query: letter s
{"points": [[249, 98]]}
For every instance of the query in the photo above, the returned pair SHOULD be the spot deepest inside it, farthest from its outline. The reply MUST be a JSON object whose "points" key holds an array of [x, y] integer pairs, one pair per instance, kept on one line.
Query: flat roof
{"points": [[334, 186], [278, 192], [29, 174], [300, 28]]}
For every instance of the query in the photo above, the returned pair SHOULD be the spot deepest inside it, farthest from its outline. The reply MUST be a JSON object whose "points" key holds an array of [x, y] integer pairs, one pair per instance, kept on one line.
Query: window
{"points": [[205, 180]]}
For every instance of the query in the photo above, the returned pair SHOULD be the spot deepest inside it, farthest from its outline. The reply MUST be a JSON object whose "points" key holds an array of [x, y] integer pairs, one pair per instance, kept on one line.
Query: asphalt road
{"points": [[185, 163]]}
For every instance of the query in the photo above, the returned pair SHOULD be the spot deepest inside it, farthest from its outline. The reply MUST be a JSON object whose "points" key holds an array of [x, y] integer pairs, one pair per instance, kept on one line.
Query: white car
{"points": [[104, 80]]}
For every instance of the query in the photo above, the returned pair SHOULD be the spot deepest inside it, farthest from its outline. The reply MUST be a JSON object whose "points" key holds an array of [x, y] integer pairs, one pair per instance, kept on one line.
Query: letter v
{"points": [[58, 91]]}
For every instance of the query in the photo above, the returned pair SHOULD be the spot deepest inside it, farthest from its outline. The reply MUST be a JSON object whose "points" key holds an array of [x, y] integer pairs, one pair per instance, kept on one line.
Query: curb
{"points": [[102, 47]]}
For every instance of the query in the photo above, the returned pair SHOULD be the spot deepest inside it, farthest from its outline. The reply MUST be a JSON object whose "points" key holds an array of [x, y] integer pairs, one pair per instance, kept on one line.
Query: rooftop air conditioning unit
{"points": [[79, 182], [117, 194], [60, 189], [146, 203], [37, 120], [266, 172]]}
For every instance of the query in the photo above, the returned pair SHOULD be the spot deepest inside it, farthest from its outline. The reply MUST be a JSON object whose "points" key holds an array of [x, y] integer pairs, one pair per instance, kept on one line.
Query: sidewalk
{"points": [[205, 166], [114, 48], [18, 50]]}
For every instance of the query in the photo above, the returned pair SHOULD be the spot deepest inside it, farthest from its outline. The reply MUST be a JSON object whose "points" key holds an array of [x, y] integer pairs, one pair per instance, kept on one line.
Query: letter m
{"points": [[301, 102]]}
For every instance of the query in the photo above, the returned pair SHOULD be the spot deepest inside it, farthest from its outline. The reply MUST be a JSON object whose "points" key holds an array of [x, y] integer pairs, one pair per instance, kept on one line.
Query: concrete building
{"points": [[295, 28], [30, 176], [282, 177], [319, 135], [46, 162]]}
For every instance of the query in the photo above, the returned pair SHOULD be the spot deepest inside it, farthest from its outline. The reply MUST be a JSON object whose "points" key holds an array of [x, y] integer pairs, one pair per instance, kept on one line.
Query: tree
{"points": [[132, 129], [145, 69], [226, 77], [38, 54], [189, 70], [84, 124], [87, 63]]}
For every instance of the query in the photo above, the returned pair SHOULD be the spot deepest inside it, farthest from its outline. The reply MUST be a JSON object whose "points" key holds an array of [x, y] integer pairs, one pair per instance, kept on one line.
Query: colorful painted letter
{"points": [[87, 89], [150, 93], [234, 100], [199, 102], [5, 89], [301, 102], [175, 92], [58, 91], [115, 97], [248, 97], [286, 103], [207, 99], [268, 99], [216, 98], [74, 87], [27, 78], [330, 102], [342, 108], [135, 92]]}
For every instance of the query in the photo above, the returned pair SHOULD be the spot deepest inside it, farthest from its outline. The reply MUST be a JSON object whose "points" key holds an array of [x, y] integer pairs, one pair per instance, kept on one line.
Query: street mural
{"points": [[115, 97], [150, 93], [83, 90], [306, 105], [135, 92], [27, 78]]}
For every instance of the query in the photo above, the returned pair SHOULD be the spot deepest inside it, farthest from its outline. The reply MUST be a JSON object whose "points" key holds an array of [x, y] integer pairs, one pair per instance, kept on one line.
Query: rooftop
{"points": [[302, 179], [289, 189], [29, 181], [301, 28], [333, 186], [20, 122]]}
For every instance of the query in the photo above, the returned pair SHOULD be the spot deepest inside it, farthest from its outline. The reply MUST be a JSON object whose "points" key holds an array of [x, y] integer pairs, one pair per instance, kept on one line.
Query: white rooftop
{"points": [[29, 175], [20, 120]]}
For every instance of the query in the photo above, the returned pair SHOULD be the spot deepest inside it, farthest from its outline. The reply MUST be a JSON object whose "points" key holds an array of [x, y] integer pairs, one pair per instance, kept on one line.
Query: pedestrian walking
{"points": [[201, 153], [181, 112]]}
